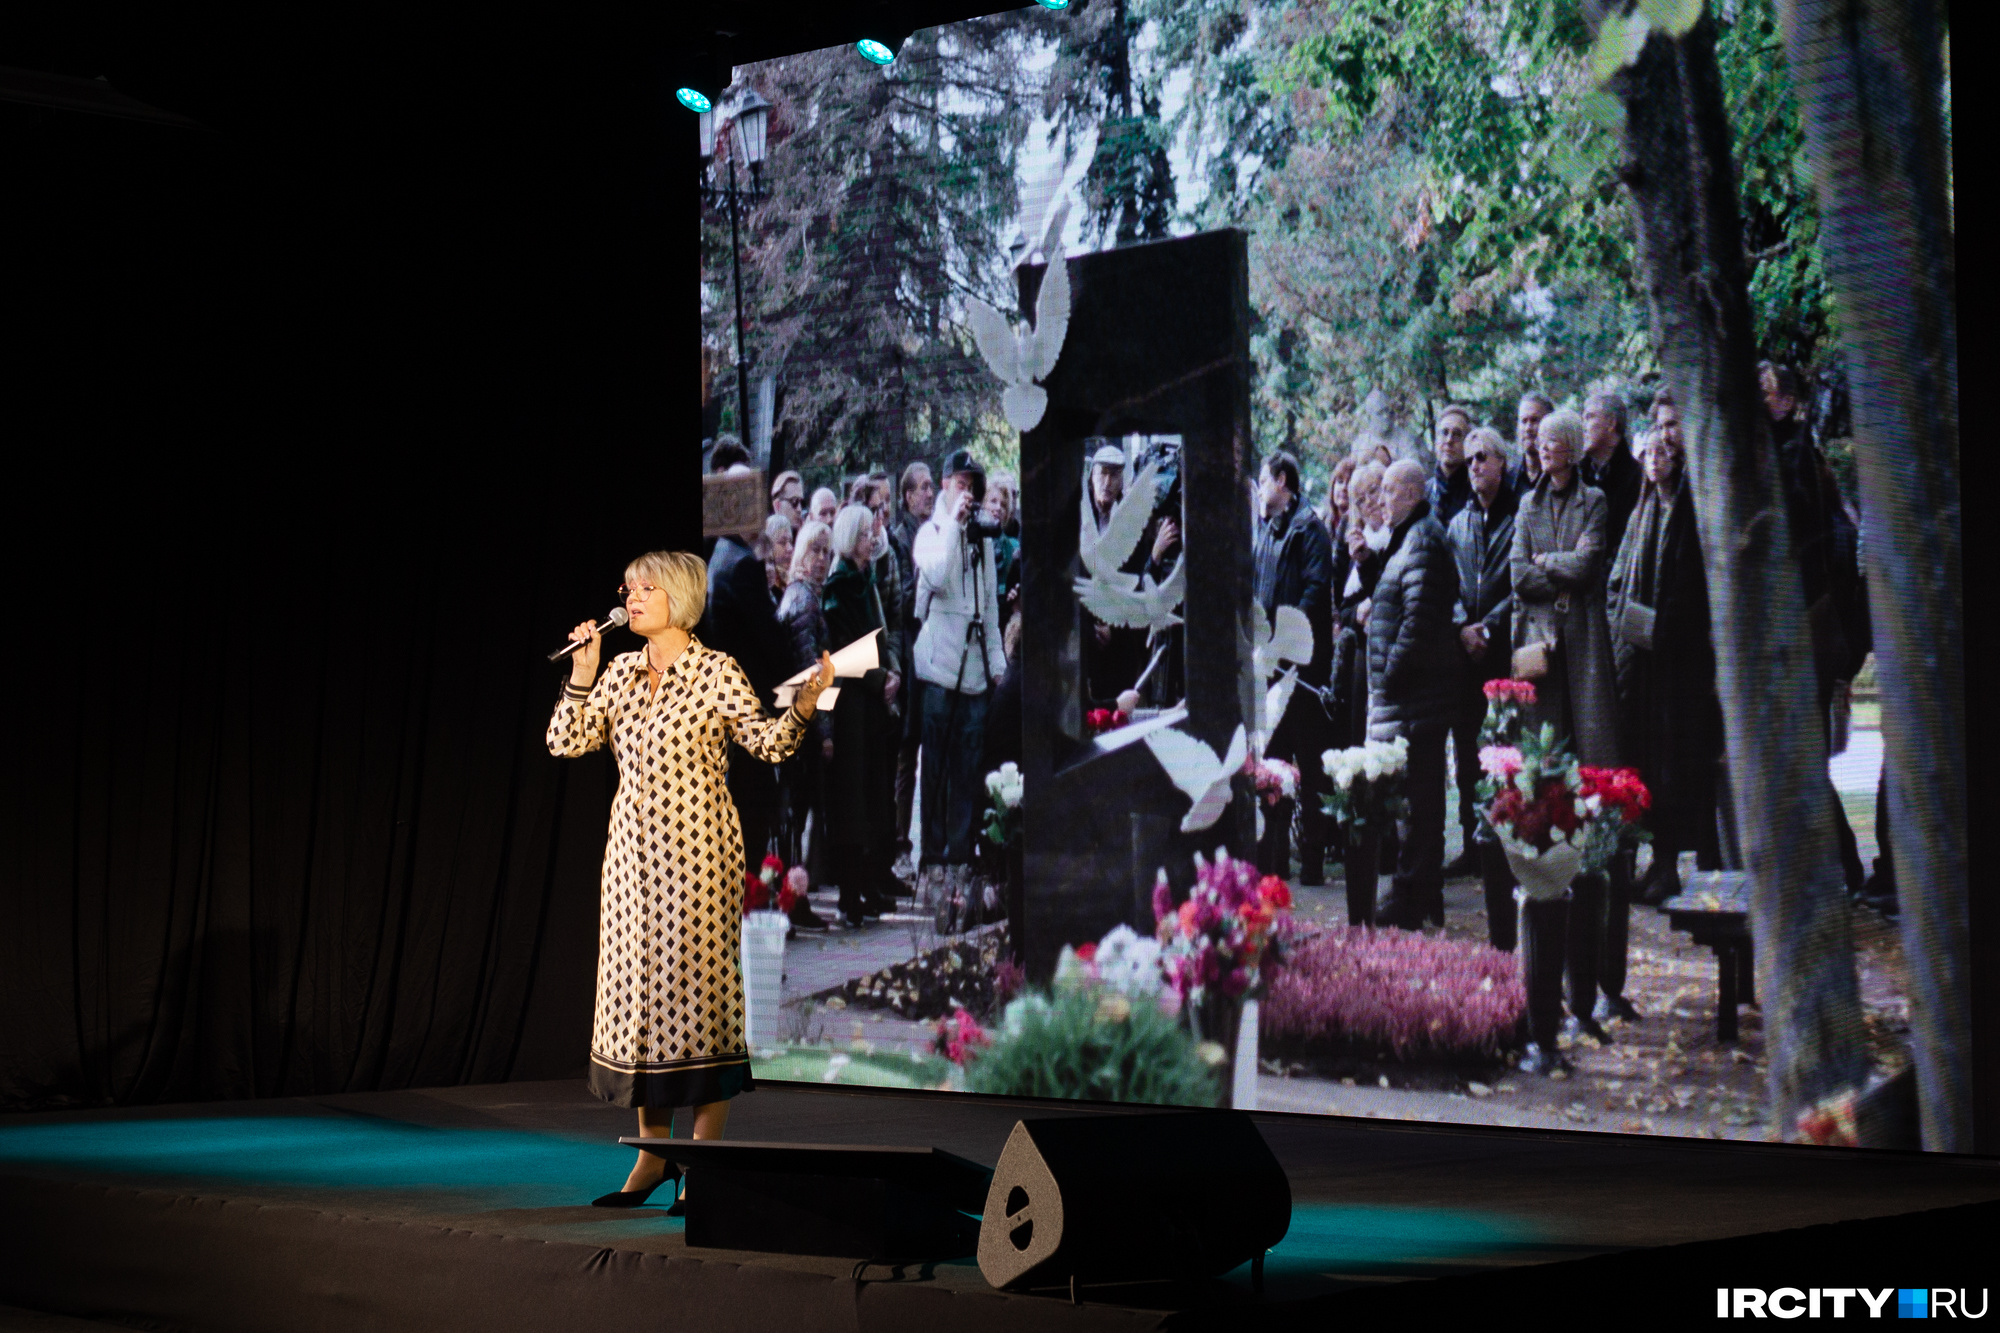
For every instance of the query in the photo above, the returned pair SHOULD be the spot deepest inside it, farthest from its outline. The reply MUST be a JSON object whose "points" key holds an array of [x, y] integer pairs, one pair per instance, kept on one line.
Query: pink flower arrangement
{"points": [[1275, 779], [1500, 761], [1509, 691], [1414, 995], [1504, 701], [1221, 936], [959, 1036]]}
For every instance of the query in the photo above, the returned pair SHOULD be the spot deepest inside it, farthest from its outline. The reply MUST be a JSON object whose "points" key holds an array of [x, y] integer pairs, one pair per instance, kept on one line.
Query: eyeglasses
{"points": [[1477, 456], [641, 593]]}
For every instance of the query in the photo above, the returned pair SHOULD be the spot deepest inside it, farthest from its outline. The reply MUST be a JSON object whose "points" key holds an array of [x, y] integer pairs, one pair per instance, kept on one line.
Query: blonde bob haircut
{"points": [[811, 531], [682, 576], [1565, 426]]}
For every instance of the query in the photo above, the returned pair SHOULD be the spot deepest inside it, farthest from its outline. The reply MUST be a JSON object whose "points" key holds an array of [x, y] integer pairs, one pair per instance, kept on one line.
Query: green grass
{"points": [[868, 1069]]}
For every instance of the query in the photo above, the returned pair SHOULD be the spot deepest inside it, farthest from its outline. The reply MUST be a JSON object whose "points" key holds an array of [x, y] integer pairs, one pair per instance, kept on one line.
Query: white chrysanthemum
{"points": [[1014, 1020], [1129, 962]]}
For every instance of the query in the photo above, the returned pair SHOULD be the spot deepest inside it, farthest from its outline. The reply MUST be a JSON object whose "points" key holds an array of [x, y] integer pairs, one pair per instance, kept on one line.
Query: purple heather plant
{"points": [[1414, 995]]}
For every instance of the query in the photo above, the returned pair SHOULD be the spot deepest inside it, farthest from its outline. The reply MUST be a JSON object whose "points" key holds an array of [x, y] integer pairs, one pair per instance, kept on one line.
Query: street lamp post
{"points": [[748, 126]]}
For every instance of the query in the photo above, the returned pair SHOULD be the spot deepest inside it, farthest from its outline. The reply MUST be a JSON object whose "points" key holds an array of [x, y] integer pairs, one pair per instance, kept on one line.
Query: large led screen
{"points": [[1369, 538]]}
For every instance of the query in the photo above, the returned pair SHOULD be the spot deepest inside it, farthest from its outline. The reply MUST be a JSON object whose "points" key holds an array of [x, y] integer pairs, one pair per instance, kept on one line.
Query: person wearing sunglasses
{"points": [[668, 1027]]}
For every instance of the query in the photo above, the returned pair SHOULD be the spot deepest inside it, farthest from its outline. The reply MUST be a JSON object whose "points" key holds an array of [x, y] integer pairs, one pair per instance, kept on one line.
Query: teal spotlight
{"points": [[693, 100], [874, 52], [1054, 4]]}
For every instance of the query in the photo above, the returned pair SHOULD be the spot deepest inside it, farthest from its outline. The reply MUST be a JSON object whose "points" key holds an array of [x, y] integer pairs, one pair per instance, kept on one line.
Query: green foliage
{"points": [[1090, 1045], [1128, 189], [888, 192], [1429, 186]]}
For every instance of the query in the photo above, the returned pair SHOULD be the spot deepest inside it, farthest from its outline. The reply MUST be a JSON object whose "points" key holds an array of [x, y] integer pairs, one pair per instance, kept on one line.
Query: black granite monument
{"points": [[1158, 344]]}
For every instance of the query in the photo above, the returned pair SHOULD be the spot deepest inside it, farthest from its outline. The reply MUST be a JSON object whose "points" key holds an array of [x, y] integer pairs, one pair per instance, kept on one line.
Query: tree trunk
{"points": [[1869, 76], [1697, 277]]}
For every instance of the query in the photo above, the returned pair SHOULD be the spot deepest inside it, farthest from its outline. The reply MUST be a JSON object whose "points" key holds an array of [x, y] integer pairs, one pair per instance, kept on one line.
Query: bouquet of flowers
{"points": [[1367, 784], [958, 1036], [1003, 804], [1504, 701], [1101, 720], [1618, 802], [1219, 939], [1556, 818], [1103, 1032], [1274, 779], [771, 888], [1123, 961], [1533, 801]]}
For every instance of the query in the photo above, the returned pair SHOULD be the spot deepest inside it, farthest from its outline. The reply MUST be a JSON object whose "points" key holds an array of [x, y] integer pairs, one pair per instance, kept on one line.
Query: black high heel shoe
{"points": [[633, 1198]]}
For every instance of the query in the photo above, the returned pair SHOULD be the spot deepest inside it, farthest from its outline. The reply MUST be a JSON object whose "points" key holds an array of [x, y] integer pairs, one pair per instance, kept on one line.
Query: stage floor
{"points": [[433, 1188]]}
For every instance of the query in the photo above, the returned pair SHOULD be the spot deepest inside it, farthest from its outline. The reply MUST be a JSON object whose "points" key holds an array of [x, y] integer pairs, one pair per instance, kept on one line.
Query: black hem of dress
{"points": [[658, 1089]]}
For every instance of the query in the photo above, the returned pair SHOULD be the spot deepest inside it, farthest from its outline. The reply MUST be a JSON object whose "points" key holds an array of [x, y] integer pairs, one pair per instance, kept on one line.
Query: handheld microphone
{"points": [[613, 618]]}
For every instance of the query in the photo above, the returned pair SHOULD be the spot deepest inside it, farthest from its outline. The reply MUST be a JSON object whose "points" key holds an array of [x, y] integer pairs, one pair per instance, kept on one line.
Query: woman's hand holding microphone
{"points": [[583, 662]]}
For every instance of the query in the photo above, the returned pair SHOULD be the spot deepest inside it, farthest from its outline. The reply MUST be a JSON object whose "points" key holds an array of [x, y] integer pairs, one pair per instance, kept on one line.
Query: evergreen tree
{"points": [[886, 192]]}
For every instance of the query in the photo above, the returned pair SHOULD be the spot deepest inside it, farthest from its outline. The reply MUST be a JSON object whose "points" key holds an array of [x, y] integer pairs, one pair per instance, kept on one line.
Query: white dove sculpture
{"points": [[1019, 357], [1106, 591], [1195, 769], [1289, 638]]}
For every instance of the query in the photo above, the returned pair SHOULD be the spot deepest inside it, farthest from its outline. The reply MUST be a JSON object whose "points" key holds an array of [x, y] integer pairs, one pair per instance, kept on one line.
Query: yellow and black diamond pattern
{"points": [[670, 914]]}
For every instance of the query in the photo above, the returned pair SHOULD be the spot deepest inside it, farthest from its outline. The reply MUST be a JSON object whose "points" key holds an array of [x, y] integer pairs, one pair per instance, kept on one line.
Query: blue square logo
{"points": [[1913, 1303]]}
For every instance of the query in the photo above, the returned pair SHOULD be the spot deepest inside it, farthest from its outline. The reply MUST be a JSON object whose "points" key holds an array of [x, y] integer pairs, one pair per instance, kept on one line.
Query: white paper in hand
{"points": [[857, 659], [860, 657]]}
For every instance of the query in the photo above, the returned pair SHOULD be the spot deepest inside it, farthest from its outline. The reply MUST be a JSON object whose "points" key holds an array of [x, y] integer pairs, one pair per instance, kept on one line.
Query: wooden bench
{"points": [[1714, 907]]}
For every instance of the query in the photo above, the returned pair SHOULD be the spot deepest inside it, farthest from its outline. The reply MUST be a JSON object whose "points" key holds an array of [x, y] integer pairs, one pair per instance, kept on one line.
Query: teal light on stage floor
{"points": [[1330, 1239], [495, 1166]]}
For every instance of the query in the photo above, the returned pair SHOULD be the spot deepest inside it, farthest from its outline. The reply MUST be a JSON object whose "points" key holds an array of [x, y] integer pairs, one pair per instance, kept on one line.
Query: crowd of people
{"points": [[1570, 558], [932, 565]]}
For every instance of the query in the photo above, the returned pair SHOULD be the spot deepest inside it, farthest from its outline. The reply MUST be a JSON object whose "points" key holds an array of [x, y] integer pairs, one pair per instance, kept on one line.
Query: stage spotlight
{"points": [[877, 52], [694, 101], [1053, 4]]}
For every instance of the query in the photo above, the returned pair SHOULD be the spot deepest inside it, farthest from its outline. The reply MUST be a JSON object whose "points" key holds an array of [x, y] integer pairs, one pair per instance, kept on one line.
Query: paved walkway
{"points": [[1856, 770]]}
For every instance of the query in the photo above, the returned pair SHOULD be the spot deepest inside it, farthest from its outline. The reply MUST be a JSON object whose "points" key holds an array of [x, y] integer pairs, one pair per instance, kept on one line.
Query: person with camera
{"points": [[1291, 559], [958, 657]]}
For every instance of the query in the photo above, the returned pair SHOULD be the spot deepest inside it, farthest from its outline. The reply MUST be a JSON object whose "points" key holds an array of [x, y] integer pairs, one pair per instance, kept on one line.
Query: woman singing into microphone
{"points": [[668, 1027]]}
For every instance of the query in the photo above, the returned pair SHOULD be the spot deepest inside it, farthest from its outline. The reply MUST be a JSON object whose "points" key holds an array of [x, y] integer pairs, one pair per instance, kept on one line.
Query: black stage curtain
{"points": [[321, 426]]}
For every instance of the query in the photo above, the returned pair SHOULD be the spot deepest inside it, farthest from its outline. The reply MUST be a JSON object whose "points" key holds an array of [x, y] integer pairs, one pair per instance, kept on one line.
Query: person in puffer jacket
{"points": [[1415, 677]]}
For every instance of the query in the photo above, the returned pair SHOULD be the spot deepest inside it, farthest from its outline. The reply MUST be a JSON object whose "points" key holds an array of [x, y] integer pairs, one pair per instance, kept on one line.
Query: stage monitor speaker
{"points": [[1131, 1198], [863, 1201]]}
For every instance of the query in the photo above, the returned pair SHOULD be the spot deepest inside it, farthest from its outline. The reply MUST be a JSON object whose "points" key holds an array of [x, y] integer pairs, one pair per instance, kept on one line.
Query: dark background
{"points": [[323, 424], [320, 424]]}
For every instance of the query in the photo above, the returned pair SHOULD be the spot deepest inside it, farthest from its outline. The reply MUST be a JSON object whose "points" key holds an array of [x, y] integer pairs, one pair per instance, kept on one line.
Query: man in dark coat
{"points": [[917, 495], [1415, 679], [1450, 487], [741, 620], [1292, 565], [1529, 414], [1608, 464], [1826, 544], [1482, 541]]}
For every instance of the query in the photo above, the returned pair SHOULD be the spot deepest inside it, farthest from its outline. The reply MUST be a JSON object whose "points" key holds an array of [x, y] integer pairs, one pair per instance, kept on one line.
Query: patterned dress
{"points": [[668, 1027]]}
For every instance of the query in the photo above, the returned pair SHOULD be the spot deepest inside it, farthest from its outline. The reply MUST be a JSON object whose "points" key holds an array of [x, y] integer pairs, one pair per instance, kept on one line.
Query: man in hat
{"points": [[1113, 657], [958, 656]]}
